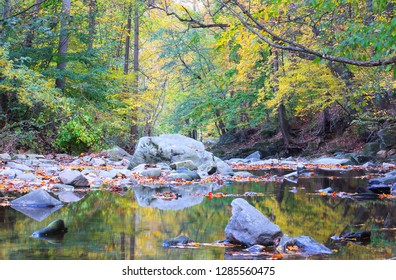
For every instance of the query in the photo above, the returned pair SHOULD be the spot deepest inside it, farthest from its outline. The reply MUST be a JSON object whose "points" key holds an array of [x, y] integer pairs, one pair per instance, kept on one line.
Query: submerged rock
{"points": [[305, 244], [177, 241], [248, 226], [57, 227]]}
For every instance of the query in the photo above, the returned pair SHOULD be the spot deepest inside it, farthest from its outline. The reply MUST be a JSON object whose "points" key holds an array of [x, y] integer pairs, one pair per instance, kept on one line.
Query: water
{"points": [[110, 226]]}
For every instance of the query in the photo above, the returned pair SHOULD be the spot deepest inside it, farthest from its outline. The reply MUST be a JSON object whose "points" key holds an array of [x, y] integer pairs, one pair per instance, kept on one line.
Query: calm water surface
{"points": [[105, 225]]}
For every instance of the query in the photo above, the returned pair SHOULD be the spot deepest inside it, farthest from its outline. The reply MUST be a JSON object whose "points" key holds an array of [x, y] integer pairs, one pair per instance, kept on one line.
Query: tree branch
{"points": [[23, 11], [191, 21], [289, 45]]}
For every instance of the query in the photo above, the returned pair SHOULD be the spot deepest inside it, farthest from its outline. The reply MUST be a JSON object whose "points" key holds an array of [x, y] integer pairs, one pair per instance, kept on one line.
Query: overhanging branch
{"points": [[253, 25]]}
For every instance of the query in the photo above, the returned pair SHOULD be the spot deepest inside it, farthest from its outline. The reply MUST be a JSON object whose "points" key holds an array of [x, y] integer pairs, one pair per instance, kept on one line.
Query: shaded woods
{"points": [[302, 76]]}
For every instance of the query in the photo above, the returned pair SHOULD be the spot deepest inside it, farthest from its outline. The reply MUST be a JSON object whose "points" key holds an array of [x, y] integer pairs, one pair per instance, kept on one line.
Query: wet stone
{"points": [[177, 241]]}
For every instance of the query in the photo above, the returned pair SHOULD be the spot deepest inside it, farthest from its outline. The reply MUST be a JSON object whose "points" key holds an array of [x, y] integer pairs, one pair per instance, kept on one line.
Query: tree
{"points": [[63, 44]]}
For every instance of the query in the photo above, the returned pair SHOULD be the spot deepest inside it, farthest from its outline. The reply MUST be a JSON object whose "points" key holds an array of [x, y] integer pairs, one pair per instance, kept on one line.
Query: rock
{"points": [[249, 226], [381, 154], [54, 228], [35, 156], [380, 189], [332, 161], [10, 173], [222, 167], [391, 153], [393, 190], [255, 249], [255, 155], [26, 177], [177, 241], [38, 198], [363, 236], [387, 136], [183, 176], [151, 172], [243, 174], [184, 164], [192, 174], [70, 196], [306, 244], [371, 149], [362, 159], [18, 166], [97, 162], [171, 148], [74, 178], [5, 157], [108, 174], [117, 153], [19, 157], [326, 190]]}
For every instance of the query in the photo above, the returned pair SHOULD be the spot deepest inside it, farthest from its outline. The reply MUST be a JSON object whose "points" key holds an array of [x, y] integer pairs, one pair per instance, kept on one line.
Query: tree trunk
{"points": [[63, 44], [6, 14], [128, 42], [3, 108], [283, 122], [134, 127], [92, 24], [30, 33]]}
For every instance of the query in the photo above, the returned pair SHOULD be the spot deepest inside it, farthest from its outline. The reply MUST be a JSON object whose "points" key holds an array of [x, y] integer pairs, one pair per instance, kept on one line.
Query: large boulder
{"points": [[387, 137], [248, 226], [172, 148]]}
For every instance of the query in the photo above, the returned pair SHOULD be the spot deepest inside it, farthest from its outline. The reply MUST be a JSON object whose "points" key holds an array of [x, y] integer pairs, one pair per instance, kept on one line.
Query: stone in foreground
{"points": [[37, 199], [306, 244], [249, 227], [54, 228]]}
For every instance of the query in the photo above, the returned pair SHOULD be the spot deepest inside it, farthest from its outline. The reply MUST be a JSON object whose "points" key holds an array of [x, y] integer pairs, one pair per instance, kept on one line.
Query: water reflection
{"points": [[104, 225]]}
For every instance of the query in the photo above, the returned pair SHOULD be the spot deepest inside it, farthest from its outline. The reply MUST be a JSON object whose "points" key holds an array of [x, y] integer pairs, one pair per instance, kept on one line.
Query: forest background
{"points": [[283, 77]]}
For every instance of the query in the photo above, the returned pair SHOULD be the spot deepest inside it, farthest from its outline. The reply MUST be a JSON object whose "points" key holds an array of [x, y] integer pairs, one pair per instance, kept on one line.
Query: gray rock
{"points": [[243, 174], [18, 166], [5, 157], [177, 241], [184, 164], [183, 176], [335, 161], [74, 178], [387, 136], [326, 190], [223, 168], [27, 177], [305, 243], [371, 149], [108, 174], [194, 175], [19, 157], [117, 153], [35, 156], [393, 190], [54, 228], [381, 154], [171, 148], [70, 196], [151, 172], [255, 155], [97, 162], [38, 198], [249, 226]]}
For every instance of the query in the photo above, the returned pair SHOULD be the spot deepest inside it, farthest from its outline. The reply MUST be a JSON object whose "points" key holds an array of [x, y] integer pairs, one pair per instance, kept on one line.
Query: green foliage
{"points": [[78, 135]]}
